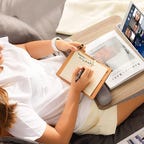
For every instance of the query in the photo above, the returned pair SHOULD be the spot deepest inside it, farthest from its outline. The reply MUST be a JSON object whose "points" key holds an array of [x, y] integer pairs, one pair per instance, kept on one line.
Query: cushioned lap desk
{"points": [[132, 87]]}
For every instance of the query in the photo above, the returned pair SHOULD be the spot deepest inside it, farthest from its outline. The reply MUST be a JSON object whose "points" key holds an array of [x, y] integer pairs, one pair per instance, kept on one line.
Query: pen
{"points": [[79, 74], [81, 46]]}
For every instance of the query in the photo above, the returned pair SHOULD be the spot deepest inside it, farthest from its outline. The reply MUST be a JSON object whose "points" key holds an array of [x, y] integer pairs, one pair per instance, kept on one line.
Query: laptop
{"points": [[133, 28]]}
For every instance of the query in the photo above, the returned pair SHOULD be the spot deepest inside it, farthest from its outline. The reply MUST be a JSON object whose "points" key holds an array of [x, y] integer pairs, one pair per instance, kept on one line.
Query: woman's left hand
{"points": [[67, 46]]}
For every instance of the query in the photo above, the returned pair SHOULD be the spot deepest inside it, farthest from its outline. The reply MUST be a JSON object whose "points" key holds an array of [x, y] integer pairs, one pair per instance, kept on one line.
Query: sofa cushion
{"points": [[43, 16], [17, 31], [14, 140]]}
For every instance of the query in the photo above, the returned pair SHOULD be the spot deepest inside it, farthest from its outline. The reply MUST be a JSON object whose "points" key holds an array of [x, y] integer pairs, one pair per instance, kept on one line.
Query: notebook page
{"points": [[78, 60], [99, 72]]}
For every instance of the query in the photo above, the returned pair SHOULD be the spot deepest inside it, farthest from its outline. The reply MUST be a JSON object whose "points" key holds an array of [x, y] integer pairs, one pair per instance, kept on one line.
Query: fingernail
{"points": [[75, 48]]}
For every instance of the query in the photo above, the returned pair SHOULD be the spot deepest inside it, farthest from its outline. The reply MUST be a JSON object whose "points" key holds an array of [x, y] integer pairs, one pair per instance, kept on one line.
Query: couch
{"points": [[28, 20]]}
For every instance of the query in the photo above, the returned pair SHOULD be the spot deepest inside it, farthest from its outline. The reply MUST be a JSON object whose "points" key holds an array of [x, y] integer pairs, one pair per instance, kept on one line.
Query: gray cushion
{"points": [[17, 31], [42, 15], [14, 140]]}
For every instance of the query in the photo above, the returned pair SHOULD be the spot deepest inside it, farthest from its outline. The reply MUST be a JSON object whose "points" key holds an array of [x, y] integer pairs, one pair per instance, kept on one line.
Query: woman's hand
{"points": [[67, 46], [83, 81], [1, 57]]}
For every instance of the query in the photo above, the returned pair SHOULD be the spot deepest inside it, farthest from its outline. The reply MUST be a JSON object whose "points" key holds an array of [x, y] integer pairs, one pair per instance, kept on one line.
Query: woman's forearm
{"points": [[63, 130], [66, 123], [64, 127], [42, 48], [39, 49], [68, 118]]}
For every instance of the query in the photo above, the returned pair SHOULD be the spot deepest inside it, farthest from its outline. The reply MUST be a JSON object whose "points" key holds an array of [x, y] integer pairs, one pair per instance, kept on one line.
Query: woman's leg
{"points": [[126, 108]]}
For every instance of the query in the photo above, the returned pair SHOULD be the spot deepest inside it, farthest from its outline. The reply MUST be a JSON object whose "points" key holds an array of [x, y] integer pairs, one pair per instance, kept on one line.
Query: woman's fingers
{"points": [[76, 46], [1, 47], [87, 73]]}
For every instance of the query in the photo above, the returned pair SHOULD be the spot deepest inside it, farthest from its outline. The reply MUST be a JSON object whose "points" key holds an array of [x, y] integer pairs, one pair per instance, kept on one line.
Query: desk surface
{"points": [[130, 88]]}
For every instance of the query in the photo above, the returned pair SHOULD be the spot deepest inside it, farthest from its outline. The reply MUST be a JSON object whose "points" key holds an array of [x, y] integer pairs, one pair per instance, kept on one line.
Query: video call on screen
{"points": [[134, 29]]}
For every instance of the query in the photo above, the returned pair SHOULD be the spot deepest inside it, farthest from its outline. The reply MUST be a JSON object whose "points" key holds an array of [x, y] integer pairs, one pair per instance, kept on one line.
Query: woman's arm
{"points": [[63, 130], [43, 48]]}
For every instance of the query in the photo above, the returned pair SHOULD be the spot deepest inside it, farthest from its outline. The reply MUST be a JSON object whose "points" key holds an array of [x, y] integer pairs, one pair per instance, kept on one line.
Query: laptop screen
{"points": [[133, 28]]}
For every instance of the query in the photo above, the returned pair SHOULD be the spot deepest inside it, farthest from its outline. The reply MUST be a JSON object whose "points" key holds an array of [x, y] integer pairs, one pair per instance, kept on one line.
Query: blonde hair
{"points": [[7, 112]]}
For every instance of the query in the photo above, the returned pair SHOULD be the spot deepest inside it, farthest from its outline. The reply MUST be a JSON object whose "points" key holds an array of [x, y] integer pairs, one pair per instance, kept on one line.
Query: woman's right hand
{"points": [[83, 81]]}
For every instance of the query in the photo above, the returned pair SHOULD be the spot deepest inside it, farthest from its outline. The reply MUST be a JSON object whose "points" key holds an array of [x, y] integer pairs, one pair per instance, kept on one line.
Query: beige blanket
{"points": [[80, 14]]}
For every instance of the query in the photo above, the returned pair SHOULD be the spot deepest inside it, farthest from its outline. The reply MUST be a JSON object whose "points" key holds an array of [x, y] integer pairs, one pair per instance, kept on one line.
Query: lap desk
{"points": [[132, 87]]}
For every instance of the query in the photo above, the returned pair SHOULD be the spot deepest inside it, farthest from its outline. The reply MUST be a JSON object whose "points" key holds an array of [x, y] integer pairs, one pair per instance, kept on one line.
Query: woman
{"points": [[35, 104]]}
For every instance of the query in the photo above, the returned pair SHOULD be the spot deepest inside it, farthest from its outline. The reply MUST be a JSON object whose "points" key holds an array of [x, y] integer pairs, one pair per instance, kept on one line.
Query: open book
{"points": [[116, 51], [78, 59]]}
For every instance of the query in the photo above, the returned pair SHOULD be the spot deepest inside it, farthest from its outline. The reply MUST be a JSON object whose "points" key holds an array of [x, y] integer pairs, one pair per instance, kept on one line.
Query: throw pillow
{"points": [[17, 31]]}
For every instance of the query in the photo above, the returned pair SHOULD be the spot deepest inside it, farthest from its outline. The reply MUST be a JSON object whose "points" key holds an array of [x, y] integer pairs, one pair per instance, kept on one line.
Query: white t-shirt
{"points": [[40, 95]]}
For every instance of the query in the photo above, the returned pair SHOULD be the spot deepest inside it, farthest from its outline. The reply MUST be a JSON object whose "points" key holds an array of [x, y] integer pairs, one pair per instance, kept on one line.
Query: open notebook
{"points": [[79, 59]]}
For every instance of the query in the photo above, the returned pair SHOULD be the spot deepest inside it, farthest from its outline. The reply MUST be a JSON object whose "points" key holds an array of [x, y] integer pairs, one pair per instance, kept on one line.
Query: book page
{"points": [[78, 60]]}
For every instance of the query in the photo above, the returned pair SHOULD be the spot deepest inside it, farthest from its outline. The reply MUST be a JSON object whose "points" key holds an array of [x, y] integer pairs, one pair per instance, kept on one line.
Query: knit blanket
{"points": [[79, 14]]}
